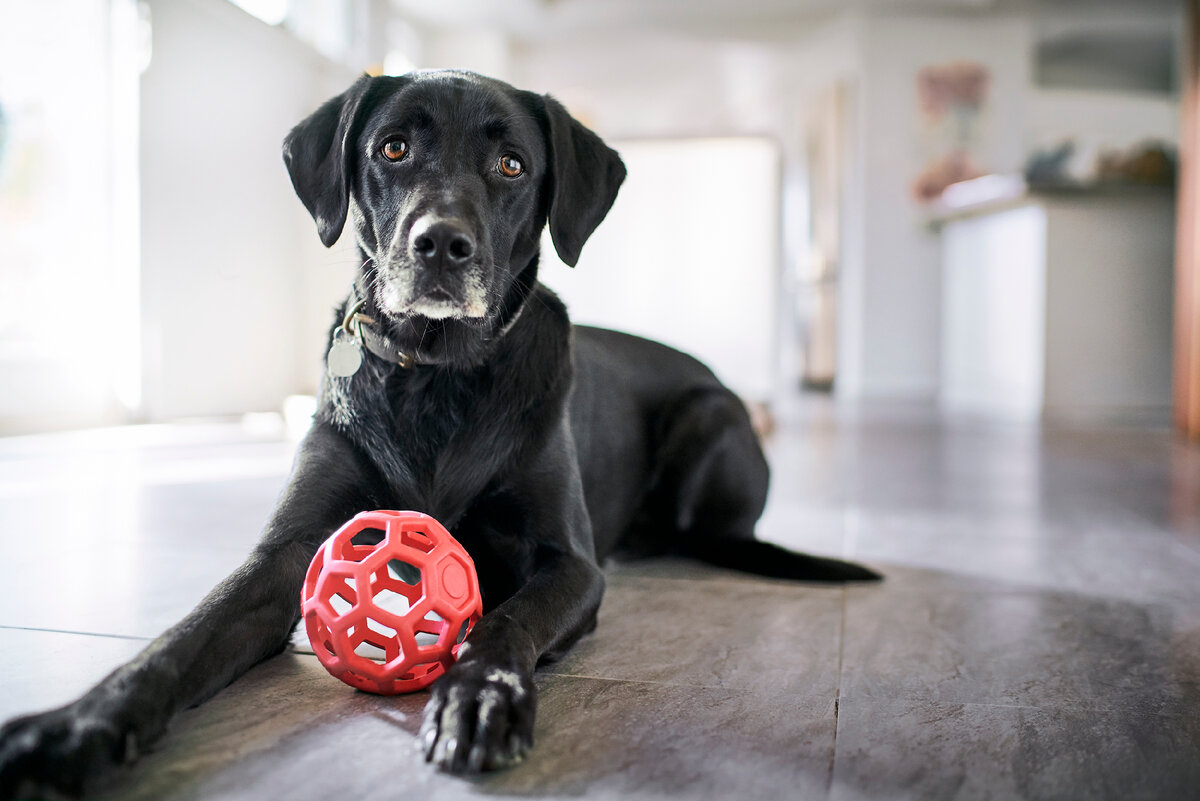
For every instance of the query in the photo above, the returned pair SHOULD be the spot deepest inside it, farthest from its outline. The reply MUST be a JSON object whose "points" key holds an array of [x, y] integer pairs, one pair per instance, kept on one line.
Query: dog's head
{"points": [[448, 179]]}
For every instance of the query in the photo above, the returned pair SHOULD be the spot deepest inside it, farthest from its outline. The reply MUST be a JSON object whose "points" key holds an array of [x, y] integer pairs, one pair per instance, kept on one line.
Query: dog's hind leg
{"points": [[711, 488]]}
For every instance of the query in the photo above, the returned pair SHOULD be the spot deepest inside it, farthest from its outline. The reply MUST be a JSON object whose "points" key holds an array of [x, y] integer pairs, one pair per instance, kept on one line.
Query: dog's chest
{"points": [[429, 410], [436, 436]]}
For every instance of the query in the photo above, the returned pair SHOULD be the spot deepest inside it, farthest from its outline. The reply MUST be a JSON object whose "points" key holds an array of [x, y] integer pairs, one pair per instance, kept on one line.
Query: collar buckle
{"points": [[353, 324]]}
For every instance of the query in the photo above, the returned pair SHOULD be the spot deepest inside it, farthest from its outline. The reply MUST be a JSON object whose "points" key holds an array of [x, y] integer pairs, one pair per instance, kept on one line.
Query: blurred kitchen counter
{"points": [[1057, 301]]}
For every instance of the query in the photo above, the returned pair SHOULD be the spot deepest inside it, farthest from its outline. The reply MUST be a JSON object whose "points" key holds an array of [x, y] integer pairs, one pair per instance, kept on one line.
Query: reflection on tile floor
{"points": [[1038, 635]]}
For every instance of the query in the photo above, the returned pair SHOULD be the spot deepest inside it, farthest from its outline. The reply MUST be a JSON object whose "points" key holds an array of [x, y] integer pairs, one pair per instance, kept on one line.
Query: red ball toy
{"points": [[388, 601]]}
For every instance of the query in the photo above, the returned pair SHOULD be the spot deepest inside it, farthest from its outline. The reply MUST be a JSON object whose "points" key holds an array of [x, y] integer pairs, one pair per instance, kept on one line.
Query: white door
{"points": [[689, 255]]}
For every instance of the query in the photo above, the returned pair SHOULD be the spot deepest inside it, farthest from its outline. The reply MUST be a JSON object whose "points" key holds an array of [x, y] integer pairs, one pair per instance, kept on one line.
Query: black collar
{"points": [[362, 323]]}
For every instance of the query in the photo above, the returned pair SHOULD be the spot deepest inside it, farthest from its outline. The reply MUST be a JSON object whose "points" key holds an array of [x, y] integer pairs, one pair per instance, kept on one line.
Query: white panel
{"points": [[688, 255], [993, 313], [231, 261]]}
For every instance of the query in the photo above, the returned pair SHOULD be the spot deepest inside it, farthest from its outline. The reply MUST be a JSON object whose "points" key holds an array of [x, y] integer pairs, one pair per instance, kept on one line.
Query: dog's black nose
{"points": [[442, 243]]}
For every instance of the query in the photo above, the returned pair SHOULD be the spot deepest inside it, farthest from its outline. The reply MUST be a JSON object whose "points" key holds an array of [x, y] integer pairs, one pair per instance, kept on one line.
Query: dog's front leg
{"points": [[480, 715], [247, 618]]}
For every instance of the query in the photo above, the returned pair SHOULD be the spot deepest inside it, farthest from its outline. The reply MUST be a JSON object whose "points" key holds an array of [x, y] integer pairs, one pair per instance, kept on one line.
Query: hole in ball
{"points": [[379, 628], [369, 650], [390, 601], [340, 604], [403, 571], [368, 537]]}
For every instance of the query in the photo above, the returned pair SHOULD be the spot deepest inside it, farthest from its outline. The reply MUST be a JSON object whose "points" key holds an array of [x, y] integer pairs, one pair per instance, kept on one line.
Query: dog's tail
{"points": [[767, 559]]}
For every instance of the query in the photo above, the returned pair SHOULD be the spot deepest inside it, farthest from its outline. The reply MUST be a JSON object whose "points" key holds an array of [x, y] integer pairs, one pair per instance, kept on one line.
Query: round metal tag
{"points": [[344, 358]]}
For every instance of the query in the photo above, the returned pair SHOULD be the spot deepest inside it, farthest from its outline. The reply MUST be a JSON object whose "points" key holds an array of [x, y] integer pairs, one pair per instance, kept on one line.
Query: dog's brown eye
{"points": [[511, 166], [395, 149]]}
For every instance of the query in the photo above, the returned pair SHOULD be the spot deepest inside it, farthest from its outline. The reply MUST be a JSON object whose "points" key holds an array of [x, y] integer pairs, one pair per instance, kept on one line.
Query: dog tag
{"points": [[345, 357]]}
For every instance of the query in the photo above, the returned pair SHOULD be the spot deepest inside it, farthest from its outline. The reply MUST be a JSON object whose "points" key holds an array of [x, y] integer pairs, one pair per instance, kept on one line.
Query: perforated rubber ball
{"points": [[388, 601]]}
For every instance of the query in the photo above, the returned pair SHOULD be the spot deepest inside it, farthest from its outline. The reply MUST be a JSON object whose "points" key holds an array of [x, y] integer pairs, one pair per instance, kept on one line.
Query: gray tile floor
{"points": [[1038, 635]]}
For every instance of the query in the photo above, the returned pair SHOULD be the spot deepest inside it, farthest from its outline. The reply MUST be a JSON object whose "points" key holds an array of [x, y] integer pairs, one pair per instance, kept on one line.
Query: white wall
{"points": [[889, 282], [236, 287], [656, 87], [1098, 119], [688, 256], [485, 52], [710, 84], [239, 344]]}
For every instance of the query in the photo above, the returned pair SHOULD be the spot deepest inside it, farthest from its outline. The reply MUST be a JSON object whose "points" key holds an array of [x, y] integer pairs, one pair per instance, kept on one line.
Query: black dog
{"points": [[456, 386]]}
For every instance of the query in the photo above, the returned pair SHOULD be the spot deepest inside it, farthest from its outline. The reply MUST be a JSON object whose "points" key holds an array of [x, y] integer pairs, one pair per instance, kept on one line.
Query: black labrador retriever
{"points": [[456, 385]]}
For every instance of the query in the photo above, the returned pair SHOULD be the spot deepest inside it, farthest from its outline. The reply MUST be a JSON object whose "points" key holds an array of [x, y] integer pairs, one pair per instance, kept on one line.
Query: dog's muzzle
{"points": [[441, 244], [441, 273]]}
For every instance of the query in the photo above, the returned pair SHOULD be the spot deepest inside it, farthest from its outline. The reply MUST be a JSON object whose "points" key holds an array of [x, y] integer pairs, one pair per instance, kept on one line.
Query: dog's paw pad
{"points": [[478, 718]]}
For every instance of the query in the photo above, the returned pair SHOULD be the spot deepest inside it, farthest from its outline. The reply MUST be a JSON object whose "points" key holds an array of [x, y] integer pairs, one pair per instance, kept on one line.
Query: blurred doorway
{"points": [[818, 268]]}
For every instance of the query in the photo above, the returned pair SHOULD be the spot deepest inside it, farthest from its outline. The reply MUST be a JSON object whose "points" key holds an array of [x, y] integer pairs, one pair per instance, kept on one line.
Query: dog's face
{"points": [[448, 179], [446, 193]]}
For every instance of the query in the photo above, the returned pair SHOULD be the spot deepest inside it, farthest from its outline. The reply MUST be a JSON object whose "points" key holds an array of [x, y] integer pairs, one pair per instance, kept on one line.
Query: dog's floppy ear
{"points": [[317, 158], [585, 176]]}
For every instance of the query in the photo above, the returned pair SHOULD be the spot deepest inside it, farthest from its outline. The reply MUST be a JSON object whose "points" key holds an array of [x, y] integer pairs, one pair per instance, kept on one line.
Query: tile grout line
{"points": [[682, 685], [850, 529], [837, 693], [131, 637]]}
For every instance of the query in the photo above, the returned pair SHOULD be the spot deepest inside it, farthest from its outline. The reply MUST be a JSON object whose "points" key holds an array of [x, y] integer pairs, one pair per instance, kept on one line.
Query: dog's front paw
{"points": [[57, 754], [479, 717]]}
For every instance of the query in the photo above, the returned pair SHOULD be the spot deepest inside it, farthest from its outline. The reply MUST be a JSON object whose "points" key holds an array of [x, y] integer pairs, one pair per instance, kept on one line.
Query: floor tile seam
{"points": [[1182, 714], [1014, 591], [749, 579], [106, 635], [51, 483], [837, 692], [678, 684], [163, 548], [1007, 543], [645, 579], [867, 699]]}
